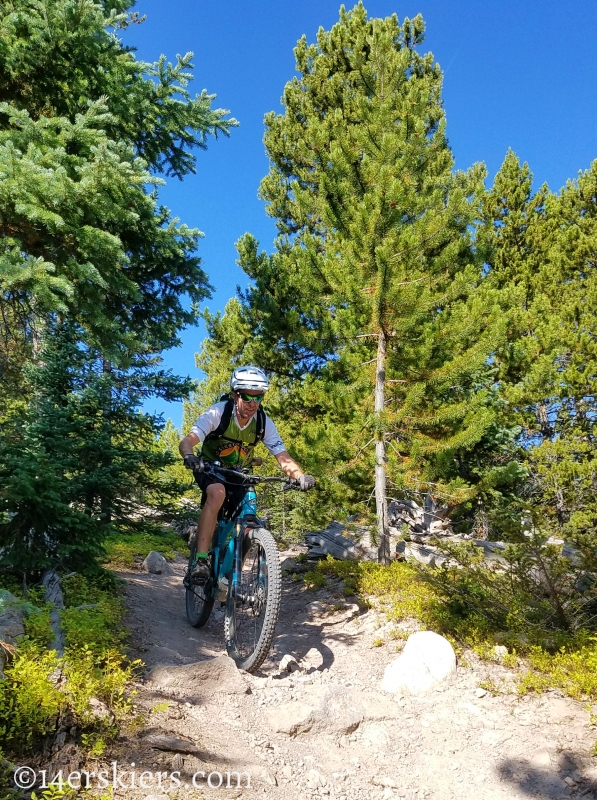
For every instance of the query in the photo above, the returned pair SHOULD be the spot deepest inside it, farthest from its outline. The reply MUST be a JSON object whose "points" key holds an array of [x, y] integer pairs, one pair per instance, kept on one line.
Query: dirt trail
{"points": [[349, 740]]}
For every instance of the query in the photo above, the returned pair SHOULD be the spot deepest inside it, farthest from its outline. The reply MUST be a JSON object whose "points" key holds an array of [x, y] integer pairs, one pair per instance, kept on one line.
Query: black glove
{"points": [[306, 482], [191, 461]]}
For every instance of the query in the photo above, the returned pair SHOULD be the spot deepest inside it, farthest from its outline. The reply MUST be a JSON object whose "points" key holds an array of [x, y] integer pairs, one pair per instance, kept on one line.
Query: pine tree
{"points": [[539, 250], [73, 467], [93, 270], [84, 130], [373, 264]]}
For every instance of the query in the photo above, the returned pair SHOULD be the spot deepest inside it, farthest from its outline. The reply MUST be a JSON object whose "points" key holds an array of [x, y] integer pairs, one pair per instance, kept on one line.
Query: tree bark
{"points": [[106, 500], [383, 551]]}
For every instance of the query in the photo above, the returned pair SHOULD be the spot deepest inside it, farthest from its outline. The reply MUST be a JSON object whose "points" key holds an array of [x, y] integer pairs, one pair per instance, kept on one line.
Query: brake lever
{"points": [[289, 486]]}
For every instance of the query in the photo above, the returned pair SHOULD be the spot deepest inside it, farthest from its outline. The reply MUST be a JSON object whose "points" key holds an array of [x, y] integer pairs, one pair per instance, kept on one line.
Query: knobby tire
{"points": [[199, 602], [250, 623]]}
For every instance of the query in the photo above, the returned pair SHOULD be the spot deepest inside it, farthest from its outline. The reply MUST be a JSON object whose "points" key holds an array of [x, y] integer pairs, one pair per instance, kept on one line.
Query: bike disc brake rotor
{"points": [[250, 600]]}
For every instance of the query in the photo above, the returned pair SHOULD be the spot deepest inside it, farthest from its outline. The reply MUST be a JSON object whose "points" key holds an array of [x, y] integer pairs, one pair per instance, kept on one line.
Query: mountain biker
{"points": [[228, 432]]}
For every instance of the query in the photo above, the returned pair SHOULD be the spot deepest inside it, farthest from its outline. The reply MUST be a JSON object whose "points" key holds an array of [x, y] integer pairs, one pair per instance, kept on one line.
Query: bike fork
{"points": [[238, 555]]}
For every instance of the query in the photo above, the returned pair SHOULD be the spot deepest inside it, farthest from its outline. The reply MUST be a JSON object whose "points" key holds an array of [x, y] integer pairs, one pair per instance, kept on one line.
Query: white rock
{"points": [[500, 651], [315, 779], [541, 759], [383, 780], [156, 563], [288, 663], [313, 659], [200, 680], [427, 660], [100, 710]]}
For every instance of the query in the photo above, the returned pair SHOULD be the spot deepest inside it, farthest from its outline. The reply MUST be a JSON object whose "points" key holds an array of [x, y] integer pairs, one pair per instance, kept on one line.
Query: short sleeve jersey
{"points": [[235, 446]]}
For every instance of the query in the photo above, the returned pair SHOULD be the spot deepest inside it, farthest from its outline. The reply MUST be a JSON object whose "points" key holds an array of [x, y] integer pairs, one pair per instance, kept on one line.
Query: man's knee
{"points": [[215, 494]]}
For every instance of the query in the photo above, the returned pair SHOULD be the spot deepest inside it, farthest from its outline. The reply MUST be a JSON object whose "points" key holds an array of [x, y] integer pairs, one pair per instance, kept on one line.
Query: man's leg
{"points": [[215, 494]]}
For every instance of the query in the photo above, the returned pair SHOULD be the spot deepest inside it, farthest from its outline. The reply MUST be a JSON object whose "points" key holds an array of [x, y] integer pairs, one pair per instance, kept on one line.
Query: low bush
{"points": [[41, 690], [30, 701]]}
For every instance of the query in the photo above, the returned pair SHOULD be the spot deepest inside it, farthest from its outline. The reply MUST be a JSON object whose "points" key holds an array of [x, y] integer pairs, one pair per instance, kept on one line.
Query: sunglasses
{"points": [[250, 398]]}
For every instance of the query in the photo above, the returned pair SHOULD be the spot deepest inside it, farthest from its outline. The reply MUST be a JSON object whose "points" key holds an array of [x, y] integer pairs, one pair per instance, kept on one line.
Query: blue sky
{"points": [[519, 74]]}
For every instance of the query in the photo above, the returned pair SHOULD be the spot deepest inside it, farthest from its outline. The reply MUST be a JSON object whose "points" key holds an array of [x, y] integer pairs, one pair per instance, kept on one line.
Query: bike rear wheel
{"points": [[199, 600], [252, 607]]}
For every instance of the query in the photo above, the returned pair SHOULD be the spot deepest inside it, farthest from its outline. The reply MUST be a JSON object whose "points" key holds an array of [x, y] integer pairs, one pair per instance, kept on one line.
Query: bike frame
{"points": [[229, 534], [228, 539]]}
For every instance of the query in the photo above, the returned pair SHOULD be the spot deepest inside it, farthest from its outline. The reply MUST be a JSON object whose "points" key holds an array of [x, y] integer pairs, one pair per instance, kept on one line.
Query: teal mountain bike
{"points": [[244, 572]]}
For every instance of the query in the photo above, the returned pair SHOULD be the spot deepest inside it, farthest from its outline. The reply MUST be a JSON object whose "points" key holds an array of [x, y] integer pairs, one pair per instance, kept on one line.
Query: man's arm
{"points": [[203, 425], [187, 444], [289, 465]]}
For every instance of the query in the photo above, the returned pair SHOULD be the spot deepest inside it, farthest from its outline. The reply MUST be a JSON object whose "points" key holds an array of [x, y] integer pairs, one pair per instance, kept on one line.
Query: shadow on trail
{"points": [[156, 618], [547, 783], [297, 634]]}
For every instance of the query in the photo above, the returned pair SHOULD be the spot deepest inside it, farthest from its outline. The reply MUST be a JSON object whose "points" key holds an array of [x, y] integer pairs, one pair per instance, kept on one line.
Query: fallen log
{"points": [[53, 594], [334, 542]]}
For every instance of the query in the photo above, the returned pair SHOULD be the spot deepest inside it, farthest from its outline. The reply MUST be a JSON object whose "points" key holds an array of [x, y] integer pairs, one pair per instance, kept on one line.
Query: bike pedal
{"points": [[197, 580]]}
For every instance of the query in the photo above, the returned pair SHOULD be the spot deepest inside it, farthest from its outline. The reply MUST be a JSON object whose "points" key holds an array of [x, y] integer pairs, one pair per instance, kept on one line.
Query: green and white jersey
{"points": [[235, 447]]}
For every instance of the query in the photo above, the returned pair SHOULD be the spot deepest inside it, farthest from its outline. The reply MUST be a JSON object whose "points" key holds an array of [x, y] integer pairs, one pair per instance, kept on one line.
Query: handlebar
{"points": [[246, 478]]}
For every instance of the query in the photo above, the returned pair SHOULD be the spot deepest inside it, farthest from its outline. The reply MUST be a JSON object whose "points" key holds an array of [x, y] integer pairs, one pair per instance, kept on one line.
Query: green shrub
{"points": [[40, 687], [314, 579], [30, 702]]}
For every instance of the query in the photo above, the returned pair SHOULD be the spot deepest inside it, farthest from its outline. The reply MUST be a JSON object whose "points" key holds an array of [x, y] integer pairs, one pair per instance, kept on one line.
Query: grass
{"points": [[122, 548], [557, 659]]}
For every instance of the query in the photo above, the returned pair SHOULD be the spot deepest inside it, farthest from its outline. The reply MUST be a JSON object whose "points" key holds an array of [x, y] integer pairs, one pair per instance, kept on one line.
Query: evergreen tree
{"points": [[73, 467], [84, 129], [373, 265], [93, 271]]}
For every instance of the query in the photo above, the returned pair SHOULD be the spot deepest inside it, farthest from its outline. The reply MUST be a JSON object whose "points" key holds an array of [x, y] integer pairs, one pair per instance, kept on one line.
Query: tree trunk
{"points": [[106, 499], [383, 551]]}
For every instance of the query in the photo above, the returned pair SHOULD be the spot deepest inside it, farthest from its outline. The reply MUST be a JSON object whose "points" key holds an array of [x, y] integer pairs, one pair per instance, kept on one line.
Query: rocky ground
{"points": [[326, 729]]}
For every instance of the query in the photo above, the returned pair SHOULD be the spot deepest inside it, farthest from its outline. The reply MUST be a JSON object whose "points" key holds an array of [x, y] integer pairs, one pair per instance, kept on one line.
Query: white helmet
{"points": [[251, 378]]}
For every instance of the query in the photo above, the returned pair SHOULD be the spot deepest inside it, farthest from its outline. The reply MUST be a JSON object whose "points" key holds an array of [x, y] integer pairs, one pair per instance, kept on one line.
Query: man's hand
{"points": [[191, 461], [306, 482]]}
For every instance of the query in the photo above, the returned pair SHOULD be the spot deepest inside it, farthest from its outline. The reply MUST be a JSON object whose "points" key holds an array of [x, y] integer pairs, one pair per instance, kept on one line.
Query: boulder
{"points": [[100, 710], [500, 651], [156, 563], [292, 565], [200, 680], [12, 628], [327, 710], [426, 661], [290, 718]]}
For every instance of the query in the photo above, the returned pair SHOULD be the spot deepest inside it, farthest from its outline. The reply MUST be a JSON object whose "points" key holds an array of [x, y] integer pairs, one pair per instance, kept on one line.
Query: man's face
{"points": [[247, 402]]}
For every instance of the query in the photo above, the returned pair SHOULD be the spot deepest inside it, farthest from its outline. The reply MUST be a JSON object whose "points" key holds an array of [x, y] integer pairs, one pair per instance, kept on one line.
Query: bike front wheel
{"points": [[253, 602], [199, 600]]}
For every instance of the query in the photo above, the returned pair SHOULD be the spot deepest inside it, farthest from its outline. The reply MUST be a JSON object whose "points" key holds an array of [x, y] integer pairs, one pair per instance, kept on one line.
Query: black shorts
{"points": [[234, 494]]}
